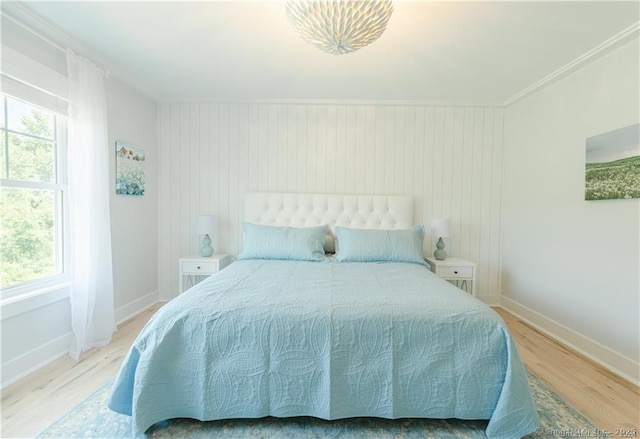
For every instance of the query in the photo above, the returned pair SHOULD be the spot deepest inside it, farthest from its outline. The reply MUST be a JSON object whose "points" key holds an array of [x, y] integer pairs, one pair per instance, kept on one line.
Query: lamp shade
{"points": [[206, 224], [441, 227]]}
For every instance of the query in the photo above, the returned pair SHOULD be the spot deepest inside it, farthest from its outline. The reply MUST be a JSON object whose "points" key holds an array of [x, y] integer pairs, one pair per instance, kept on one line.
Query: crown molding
{"points": [[337, 101], [603, 48]]}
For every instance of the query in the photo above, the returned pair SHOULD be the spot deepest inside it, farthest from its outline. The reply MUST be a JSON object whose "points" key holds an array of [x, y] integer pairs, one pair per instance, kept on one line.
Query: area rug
{"points": [[92, 419]]}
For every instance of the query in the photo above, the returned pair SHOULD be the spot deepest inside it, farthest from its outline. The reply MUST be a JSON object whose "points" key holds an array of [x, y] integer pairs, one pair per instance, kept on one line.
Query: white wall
{"points": [[36, 331], [133, 118], [569, 265], [447, 157]]}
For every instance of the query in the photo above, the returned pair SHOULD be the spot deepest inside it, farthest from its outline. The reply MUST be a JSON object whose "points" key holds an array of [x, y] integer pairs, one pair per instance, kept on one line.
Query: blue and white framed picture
{"points": [[130, 176], [612, 168]]}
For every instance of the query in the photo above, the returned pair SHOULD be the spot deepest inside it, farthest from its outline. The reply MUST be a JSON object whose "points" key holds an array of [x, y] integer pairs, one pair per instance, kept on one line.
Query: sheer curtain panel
{"points": [[91, 291]]}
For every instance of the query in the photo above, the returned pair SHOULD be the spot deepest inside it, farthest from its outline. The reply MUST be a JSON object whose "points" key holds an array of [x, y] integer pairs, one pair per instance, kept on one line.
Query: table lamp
{"points": [[206, 225], [442, 229]]}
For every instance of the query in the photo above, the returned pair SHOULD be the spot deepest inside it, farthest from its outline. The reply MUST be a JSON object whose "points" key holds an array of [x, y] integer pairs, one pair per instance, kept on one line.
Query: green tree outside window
{"points": [[29, 197]]}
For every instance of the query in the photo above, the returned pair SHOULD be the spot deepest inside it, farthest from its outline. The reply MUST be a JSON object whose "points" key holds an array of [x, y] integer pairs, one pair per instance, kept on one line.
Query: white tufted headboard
{"points": [[305, 210]]}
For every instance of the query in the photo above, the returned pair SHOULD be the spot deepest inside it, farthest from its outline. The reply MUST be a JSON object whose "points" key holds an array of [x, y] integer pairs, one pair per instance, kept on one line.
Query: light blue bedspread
{"points": [[330, 340]]}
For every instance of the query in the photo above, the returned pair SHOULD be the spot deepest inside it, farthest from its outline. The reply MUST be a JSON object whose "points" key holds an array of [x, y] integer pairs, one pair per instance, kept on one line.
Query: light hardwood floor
{"points": [[36, 401], [609, 401]]}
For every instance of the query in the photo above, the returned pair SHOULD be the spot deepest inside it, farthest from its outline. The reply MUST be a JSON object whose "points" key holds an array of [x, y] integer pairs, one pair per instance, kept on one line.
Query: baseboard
{"points": [[27, 363], [134, 308], [607, 358], [491, 300]]}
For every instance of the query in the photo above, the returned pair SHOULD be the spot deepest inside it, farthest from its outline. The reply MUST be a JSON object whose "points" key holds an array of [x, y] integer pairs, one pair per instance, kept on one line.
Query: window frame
{"points": [[61, 278]]}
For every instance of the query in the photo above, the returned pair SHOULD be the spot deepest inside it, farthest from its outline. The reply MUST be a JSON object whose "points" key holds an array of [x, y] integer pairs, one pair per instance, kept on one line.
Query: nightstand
{"points": [[194, 269], [457, 270]]}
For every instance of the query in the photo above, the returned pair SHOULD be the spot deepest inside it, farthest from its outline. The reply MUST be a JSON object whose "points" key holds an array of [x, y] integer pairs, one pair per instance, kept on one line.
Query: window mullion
{"points": [[31, 136], [61, 178], [56, 156], [19, 184], [59, 235], [6, 137], [61, 150]]}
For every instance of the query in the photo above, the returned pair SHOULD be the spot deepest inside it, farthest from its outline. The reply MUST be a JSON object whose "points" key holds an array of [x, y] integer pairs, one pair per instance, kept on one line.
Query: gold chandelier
{"points": [[339, 26]]}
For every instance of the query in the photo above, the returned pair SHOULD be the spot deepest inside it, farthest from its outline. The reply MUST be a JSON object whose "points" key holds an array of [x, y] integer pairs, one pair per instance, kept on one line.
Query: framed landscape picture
{"points": [[612, 168], [129, 169]]}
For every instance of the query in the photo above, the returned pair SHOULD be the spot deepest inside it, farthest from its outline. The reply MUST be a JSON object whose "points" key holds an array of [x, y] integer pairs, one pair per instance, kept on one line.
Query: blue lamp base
{"points": [[440, 253], [206, 250]]}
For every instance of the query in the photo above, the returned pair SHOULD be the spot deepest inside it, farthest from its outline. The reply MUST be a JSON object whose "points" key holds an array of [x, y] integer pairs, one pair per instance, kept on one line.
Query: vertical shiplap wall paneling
{"points": [[223, 181], [436, 162], [456, 179], [428, 168], [252, 148], [476, 191], [195, 153], [350, 147], [495, 196], [418, 165], [407, 168], [177, 233], [311, 146], [391, 151], [282, 146], [164, 196], [377, 129], [446, 180], [184, 206], [299, 145], [340, 146], [448, 157], [204, 186], [485, 211], [369, 150], [262, 147], [330, 163], [467, 178], [291, 134], [244, 161], [322, 112], [272, 151], [233, 176]]}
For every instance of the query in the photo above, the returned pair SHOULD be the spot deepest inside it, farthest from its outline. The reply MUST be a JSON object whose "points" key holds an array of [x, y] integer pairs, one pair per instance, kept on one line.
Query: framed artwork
{"points": [[129, 169], [612, 169]]}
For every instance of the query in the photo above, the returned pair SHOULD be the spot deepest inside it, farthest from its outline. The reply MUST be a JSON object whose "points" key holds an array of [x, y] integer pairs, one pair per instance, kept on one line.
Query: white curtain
{"points": [[92, 307]]}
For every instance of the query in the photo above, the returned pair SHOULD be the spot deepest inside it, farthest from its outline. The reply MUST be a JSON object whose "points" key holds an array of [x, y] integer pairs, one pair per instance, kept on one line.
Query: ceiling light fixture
{"points": [[339, 26]]}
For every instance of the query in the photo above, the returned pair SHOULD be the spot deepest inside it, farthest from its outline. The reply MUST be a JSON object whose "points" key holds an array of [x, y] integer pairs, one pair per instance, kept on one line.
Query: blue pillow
{"points": [[289, 243], [358, 245]]}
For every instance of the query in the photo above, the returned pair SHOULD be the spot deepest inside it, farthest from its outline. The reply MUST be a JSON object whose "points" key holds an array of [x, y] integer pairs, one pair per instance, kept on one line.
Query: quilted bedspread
{"points": [[329, 340]]}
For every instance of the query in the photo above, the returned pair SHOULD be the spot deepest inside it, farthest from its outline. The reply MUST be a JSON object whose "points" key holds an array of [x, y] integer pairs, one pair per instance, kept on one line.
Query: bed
{"points": [[288, 331]]}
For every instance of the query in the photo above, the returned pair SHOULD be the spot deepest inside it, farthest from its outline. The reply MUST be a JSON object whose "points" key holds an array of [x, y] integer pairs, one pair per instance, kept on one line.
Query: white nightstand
{"points": [[196, 268], [457, 270]]}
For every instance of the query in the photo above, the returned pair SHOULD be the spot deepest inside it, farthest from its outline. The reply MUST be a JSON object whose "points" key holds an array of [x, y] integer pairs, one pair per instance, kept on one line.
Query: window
{"points": [[32, 147]]}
